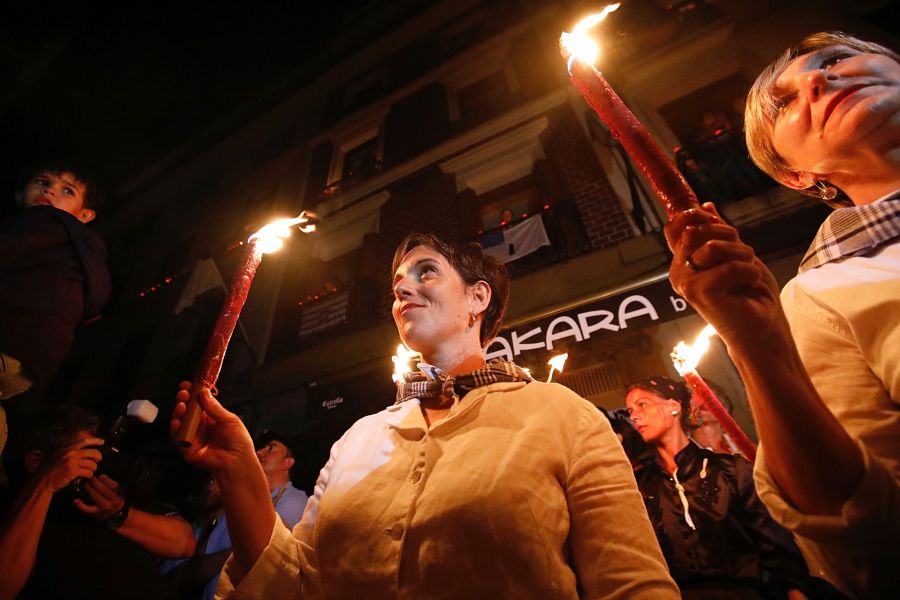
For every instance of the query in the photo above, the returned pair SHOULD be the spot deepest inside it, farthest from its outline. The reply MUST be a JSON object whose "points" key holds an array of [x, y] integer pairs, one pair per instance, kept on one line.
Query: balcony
{"points": [[323, 315], [562, 227], [719, 169]]}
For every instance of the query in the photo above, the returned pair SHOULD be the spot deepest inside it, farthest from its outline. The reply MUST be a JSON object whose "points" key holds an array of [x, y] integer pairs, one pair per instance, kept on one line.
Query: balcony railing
{"points": [[564, 231], [323, 315]]}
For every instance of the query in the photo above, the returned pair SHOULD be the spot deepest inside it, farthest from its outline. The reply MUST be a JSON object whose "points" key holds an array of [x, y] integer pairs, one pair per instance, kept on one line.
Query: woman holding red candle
{"points": [[715, 533], [823, 375], [477, 483]]}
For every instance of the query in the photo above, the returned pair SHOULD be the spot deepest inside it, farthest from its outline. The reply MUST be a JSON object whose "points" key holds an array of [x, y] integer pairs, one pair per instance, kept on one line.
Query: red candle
{"points": [[667, 182], [268, 239], [705, 397], [208, 370]]}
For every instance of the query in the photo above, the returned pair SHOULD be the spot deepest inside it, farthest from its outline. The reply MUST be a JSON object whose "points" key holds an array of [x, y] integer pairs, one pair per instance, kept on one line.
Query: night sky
{"points": [[118, 90]]}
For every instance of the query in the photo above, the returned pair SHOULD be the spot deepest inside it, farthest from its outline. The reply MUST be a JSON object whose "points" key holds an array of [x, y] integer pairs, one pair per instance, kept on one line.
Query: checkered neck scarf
{"points": [[419, 385], [854, 231]]}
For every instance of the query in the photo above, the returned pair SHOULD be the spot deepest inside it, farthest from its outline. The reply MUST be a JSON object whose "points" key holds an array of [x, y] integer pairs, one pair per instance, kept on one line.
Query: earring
{"points": [[674, 413], [825, 191], [472, 319]]}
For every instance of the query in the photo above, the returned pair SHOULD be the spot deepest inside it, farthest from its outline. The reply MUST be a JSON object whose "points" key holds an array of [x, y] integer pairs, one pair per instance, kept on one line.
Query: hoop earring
{"points": [[825, 191]]}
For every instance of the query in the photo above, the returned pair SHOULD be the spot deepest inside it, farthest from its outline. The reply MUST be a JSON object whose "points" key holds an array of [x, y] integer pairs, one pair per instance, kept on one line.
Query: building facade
{"points": [[455, 118]]}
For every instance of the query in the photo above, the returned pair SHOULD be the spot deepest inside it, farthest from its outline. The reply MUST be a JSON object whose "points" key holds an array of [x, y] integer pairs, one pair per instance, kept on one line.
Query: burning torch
{"points": [[268, 239]]}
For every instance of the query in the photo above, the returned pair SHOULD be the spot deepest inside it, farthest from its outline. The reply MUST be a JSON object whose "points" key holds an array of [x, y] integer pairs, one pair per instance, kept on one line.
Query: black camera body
{"points": [[117, 462]]}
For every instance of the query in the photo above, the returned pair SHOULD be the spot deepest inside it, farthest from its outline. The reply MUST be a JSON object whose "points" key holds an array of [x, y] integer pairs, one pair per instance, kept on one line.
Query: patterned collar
{"points": [[430, 381], [854, 231]]}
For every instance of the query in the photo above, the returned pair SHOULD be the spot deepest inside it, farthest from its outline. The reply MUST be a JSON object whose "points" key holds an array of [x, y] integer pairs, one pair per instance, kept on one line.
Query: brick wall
{"points": [[427, 201], [415, 124], [424, 202], [583, 180]]}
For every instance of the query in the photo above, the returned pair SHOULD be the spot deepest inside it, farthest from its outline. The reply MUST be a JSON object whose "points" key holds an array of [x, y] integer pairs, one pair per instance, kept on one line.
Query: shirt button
{"points": [[395, 532], [416, 476]]}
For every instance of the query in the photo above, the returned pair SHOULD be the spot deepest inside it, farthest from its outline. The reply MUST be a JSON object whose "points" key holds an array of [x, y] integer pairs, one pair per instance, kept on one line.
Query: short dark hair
{"points": [[47, 433], [57, 426], [669, 389], [94, 198], [271, 435], [472, 266]]}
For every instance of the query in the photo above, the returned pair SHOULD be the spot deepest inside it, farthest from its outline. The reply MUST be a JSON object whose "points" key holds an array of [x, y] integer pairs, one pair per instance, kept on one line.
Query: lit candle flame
{"points": [[401, 360], [578, 44], [556, 364], [271, 237], [686, 358]]}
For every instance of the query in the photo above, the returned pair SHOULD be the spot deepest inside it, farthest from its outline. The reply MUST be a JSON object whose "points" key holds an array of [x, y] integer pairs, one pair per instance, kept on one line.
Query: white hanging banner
{"points": [[519, 240]]}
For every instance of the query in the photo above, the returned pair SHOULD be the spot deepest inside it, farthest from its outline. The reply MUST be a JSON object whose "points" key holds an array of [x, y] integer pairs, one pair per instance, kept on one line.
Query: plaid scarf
{"points": [[854, 231], [419, 385]]}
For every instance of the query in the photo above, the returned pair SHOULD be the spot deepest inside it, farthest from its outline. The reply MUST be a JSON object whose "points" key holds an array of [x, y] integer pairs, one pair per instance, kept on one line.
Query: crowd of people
{"points": [[478, 481]]}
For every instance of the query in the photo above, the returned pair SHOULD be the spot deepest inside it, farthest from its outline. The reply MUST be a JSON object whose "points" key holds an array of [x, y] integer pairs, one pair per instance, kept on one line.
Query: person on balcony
{"points": [[822, 365], [477, 483]]}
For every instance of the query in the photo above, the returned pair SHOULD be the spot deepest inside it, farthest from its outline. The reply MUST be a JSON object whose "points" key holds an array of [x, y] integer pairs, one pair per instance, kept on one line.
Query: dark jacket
{"points": [[735, 545], [52, 276]]}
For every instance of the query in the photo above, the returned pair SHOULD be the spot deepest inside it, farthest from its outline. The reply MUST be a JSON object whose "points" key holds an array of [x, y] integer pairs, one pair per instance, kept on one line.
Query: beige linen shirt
{"points": [[845, 318], [523, 491]]}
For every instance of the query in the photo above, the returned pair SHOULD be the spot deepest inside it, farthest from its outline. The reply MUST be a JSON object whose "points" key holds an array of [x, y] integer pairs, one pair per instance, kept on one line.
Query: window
{"points": [[701, 113], [361, 161], [484, 99], [509, 204], [357, 154], [480, 86]]}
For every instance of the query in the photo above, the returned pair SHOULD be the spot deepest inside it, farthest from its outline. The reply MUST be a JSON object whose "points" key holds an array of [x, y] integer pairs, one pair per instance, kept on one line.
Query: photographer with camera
{"points": [[48, 548]]}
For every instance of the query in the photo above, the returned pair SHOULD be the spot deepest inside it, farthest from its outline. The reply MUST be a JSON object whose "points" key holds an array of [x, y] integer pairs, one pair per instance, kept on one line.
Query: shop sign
{"points": [[652, 304]]}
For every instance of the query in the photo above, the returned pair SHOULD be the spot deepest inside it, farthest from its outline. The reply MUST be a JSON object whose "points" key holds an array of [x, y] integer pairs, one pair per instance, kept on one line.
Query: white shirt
{"points": [[845, 319]]}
